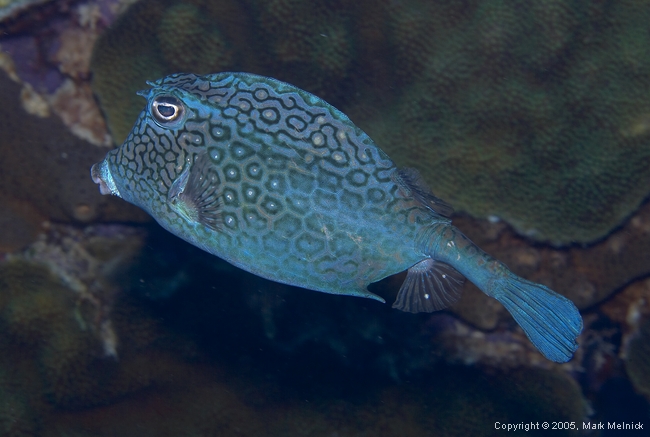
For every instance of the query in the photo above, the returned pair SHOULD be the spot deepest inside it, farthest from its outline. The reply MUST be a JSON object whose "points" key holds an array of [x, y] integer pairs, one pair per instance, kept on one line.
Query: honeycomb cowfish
{"points": [[280, 183]]}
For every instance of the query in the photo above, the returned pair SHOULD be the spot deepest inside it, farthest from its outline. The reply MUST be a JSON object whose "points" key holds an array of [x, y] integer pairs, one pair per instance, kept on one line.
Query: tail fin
{"points": [[551, 321]]}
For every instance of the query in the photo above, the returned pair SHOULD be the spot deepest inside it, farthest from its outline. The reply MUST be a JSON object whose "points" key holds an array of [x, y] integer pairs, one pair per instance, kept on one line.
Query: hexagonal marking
{"points": [[254, 220], [276, 183], [308, 245], [240, 151], [301, 182], [250, 193], [287, 225], [254, 171], [232, 173], [299, 203], [271, 205], [351, 201]]}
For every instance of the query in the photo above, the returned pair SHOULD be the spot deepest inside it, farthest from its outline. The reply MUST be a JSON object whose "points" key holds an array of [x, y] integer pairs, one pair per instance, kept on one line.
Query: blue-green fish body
{"points": [[280, 183]]}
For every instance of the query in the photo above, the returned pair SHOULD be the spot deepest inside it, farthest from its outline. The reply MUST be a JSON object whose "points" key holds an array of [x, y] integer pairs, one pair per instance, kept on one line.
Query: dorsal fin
{"points": [[429, 286], [412, 184], [195, 193]]}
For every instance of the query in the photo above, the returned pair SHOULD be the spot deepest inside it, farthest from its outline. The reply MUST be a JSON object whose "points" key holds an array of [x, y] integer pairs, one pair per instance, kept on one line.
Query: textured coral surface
{"points": [[45, 173], [538, 115]]}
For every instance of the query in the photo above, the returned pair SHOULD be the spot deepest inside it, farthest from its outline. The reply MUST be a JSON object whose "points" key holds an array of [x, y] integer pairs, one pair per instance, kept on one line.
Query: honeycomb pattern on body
{"points": [[298, 182]]}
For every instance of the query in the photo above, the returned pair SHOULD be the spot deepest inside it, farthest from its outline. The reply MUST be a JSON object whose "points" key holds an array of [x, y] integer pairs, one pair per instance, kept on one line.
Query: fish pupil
{"points": [[166, 109]]}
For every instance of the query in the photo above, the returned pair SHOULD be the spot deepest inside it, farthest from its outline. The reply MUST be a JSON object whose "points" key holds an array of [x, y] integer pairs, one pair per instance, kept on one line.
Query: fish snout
{"points": [[101, 175]]}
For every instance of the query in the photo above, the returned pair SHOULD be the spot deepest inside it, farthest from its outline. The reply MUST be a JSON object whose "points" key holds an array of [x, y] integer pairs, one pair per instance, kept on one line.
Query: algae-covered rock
{"points": [[534, 114]]}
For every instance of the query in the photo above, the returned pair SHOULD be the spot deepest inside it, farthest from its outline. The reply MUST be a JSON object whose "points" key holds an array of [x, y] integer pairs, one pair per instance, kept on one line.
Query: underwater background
{"points": [[531, 118]]}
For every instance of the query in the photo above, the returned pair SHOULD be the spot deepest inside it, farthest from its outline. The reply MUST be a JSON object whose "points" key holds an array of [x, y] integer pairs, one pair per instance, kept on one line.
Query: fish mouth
{"points": [[102, 176]]}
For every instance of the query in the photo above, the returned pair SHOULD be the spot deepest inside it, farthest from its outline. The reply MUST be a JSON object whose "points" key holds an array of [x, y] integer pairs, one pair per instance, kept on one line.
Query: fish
{"points": [[280, 183]]}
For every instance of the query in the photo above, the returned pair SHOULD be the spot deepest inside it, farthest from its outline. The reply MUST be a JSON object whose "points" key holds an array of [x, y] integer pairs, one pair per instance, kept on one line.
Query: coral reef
{"points": [[232, 383], [586, 275], [51, 59], [86, 261], [46, 169], [61, 307], [45, 54], [538, 121], [630, 310], [74, 104], [69, 367], [543, 113], [189, 47]]}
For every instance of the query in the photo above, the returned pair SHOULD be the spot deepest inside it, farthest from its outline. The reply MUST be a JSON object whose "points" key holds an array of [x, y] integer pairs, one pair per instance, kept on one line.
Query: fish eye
{"points": [[166, 109]]}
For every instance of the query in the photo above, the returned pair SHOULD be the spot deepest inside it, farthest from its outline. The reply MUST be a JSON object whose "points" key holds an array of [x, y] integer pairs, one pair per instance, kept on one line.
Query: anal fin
{"points": [[429, 286]]}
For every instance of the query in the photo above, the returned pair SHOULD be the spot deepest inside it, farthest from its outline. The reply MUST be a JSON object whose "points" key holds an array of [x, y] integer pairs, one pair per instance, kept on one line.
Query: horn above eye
{"points": [[166, 109]]}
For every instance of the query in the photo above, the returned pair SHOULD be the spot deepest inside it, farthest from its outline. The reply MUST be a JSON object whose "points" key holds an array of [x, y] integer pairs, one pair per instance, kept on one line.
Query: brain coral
{"points": [[544, 114], [537, 114]]}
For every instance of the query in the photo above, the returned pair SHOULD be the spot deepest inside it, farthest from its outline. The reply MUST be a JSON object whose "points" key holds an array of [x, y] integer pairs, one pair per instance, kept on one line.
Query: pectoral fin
{"points": [[195, 193]]}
